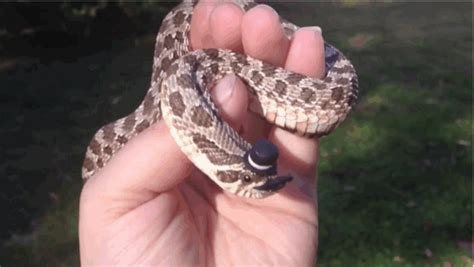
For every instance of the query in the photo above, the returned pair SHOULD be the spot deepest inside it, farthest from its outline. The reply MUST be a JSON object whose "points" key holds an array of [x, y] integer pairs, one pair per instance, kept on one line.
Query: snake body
{"points": [[179, 94]]}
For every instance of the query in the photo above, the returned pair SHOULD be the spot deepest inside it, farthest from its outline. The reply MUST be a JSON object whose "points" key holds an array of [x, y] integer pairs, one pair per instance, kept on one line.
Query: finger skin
{"points": [[200, 36], [231, 98], [263, 36], [228, 34], [306, 53], [207, 29], [305, 56]]}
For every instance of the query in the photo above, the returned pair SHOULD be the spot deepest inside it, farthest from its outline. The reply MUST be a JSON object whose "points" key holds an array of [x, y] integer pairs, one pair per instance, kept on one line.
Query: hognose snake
{"points": [[179, 94]]}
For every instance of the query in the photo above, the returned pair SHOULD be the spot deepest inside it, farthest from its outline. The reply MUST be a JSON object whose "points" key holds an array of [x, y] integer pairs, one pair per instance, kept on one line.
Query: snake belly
{"points": [[179, 94]]}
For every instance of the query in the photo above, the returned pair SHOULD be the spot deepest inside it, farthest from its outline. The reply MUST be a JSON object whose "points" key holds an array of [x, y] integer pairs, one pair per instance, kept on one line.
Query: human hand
{"points": [[150, 206]]}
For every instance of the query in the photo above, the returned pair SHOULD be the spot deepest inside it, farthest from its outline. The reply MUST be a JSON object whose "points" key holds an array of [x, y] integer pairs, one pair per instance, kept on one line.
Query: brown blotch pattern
{"points": [[236, 67], [142, 126], [342, 80], [325, 105], [129, 122], [337, 94], [228, 176], [148, 104], [179, 37], [213, 54], [122, 139], [95, 147], [200, 117], [320, 86], [205, 80], [307, 95], [241, 59], [168, 41], [343, 69], [108, 150], [214, 68], [280, 88], [214, 153], [109, 132], [172, 69], [190, 59], [174, 56], [336, 70], [295, 78], [352, 99], [165, 63], [176, 103], [269, 93], [268, 70], [256, 77], [179, 17], [185, 81], [88, 164], [100, 163]]}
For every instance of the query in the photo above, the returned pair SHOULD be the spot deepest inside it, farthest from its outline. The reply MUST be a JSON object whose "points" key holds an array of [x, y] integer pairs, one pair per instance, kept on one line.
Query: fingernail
{"points": [[224, 89], [316, 29], [267, 7]]}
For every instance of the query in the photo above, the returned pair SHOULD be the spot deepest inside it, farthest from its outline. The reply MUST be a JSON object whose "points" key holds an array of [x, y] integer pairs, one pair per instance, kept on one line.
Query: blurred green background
{"points": [[395, 181]]}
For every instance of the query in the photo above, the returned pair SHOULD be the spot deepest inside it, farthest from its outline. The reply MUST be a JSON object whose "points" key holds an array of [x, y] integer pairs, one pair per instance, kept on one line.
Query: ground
{"points": [[394, 183]]}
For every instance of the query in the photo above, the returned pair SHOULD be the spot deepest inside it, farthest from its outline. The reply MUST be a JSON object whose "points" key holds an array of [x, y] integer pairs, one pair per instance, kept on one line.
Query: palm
{"points": [[206, 225]]}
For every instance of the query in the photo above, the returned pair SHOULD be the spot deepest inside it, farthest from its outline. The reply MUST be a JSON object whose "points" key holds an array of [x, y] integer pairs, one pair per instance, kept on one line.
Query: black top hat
{"points": [[262, 158]]}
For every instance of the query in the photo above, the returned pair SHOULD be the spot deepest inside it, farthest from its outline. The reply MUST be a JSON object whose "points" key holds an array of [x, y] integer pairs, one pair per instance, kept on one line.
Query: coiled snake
{"points": [[179, 93]]}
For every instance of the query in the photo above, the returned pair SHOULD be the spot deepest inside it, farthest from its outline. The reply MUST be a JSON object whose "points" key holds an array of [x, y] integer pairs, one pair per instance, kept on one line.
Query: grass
{"points": [[395, 181]]}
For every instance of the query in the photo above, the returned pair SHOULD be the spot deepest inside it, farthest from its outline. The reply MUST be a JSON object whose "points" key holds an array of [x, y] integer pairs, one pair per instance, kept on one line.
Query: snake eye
{"points": [[247, 178]]}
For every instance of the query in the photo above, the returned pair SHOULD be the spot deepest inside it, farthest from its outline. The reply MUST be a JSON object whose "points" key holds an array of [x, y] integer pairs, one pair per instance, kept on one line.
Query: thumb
{"points": [[230, 96], [152, 162]]}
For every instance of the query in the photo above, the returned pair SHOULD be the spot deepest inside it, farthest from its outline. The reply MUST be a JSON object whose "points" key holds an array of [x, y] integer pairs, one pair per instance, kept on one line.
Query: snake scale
{"points": [[179, 94]]}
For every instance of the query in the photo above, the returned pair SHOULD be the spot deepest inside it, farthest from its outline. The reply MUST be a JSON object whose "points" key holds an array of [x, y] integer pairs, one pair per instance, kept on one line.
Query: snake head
{"points": [[253, 185], [258, 178], [256, 174]]}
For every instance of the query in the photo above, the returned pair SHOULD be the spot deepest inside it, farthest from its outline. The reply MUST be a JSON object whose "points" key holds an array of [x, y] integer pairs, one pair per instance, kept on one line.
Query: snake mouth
{"points": [[275, 184]]}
